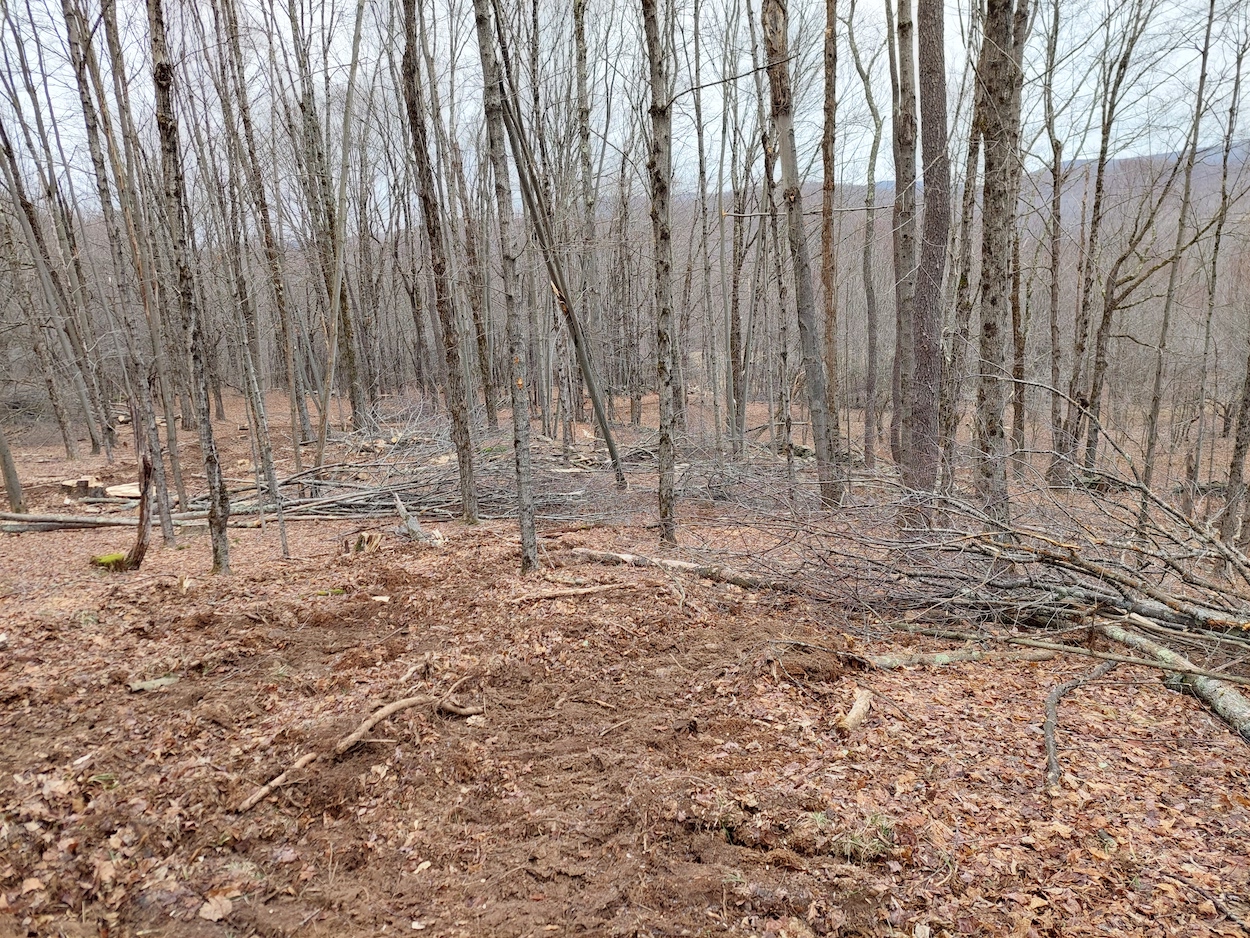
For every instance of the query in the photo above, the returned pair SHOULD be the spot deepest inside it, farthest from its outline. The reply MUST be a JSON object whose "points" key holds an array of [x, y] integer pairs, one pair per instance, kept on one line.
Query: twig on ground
{"points": [[1053, 769], [264, 790], [445, 704]]}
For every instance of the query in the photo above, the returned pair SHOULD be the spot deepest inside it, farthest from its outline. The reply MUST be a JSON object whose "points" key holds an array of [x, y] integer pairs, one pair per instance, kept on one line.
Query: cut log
{"points": [[86, 487], [1225, 700], [850, 721]]}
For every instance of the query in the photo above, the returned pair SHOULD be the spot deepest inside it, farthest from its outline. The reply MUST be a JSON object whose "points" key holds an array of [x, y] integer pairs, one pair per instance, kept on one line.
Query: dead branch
{"points": [[1053, 770], [920, 659], [708, 572], [1212, 689], [444, 704], [850, 721], [262, 792], [1185, 668], [566, 593], [937, 659]]}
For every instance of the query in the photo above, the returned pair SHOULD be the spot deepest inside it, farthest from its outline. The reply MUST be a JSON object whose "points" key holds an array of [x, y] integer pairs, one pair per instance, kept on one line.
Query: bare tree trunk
{"points": [[660, 169], [1054, 225], [828, 248], [141, 237], [1019, 339], [431, 211], [776, 42], [139, 364], [591, 301], [1005, 27], [453, 189], [1241, 441], [902, 84], [8, 470], [540, 215], [712, 367], [511, 285], [176, 215], [870, 233], [1081, 406], [332, 236], [1169, 300], [955, 367], [920, 466], [273, 259]]}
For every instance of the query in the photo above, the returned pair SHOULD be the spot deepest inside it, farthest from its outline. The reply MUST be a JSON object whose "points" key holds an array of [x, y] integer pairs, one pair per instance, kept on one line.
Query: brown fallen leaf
{"points": [[215, 909]]}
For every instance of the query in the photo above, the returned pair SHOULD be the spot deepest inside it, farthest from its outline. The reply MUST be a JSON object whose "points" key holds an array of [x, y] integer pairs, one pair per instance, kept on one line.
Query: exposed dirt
{"points": [[649, 760]]}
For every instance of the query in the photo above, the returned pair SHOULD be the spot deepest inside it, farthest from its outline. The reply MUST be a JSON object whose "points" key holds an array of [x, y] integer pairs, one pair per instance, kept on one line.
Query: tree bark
{"points": [[902, 85], [828, 246], [1005, 26], [511, 285], [660, 170], [921, 464], [776, 42], [176, 215], [431, 211], [1169, 300], [866, 260], [8, 470]]}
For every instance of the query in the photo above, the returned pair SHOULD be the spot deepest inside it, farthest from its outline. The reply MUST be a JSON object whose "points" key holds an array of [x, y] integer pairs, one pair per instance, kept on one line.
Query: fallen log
{"points": [[1215, 691], [708, 571], [934, 659], [937, 659], [63, 522], [1181, 666]]}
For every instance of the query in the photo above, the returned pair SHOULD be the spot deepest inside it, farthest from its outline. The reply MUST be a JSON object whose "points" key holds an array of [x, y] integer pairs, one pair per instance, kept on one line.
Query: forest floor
{"points": [[652, 757]]}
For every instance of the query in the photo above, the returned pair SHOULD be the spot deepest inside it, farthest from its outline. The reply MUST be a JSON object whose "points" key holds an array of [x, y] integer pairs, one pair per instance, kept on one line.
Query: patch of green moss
{"points": [[114, 562]]}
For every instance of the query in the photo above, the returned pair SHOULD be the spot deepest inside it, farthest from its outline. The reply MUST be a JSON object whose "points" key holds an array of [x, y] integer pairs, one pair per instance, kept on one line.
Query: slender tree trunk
{"points": [[828, 247], [902, 84], [1236, 485], [511, 285], [431, 211], [1054, 226], [659, 167], [1169, 300], [1019, 339], [955, 367], [776, 42], [921, 464], [273, 258], [176, 215], [8, 470], [139, 364], [1005, 27], [866, 260], [142, 241]]}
